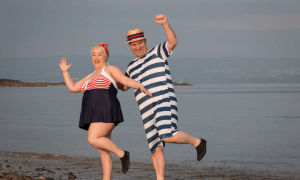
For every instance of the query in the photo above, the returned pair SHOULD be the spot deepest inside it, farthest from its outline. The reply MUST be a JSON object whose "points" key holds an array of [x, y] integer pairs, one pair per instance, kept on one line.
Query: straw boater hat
{"points": [[135, 35]]}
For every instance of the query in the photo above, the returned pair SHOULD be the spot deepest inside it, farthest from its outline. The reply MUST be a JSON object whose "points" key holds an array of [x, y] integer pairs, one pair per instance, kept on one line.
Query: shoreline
{"points": [[34, 166]]}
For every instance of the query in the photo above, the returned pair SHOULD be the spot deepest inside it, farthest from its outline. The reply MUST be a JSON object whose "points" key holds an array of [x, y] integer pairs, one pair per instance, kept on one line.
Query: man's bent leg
{"points": [[158, 159], [183, 138]]}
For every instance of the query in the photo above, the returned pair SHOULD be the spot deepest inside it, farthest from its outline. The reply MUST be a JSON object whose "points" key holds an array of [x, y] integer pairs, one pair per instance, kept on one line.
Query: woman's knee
{"points": [[92, 141]]}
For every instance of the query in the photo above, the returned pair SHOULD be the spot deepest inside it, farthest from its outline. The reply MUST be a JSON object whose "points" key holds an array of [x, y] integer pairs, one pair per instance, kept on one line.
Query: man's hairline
{"points": [[137, 41]]}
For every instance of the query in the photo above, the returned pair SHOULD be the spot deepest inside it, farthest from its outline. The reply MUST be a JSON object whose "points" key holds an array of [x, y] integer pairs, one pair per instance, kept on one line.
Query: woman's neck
{"points": [[100, 67]]}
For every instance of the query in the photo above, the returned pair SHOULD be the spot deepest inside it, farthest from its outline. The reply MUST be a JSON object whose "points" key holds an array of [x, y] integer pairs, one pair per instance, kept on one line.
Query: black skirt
{"points": [[100, 105]]}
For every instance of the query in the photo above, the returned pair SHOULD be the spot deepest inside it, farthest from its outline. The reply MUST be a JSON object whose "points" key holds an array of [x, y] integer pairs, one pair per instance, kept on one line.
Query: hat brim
{"points": [[136, 39]]}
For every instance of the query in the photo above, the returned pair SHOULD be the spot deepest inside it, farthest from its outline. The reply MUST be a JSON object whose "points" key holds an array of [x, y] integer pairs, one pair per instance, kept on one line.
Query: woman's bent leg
{"points": [[97, 137]]}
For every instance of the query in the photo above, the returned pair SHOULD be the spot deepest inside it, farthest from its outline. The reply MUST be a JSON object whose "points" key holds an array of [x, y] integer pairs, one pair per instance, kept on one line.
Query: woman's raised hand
{"points": [[63, 64]]}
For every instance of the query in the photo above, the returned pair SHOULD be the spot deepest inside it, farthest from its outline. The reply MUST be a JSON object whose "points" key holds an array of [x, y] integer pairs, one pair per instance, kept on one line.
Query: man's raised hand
{"points": [[161, 19]]}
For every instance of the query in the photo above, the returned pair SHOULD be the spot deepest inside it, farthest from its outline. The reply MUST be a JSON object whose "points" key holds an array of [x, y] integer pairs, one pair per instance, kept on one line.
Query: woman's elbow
{"points": [[72, 90]]}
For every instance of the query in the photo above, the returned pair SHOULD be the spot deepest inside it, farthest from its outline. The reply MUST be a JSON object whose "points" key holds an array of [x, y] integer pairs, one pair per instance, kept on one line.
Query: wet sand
{"points": [[29, 166]]}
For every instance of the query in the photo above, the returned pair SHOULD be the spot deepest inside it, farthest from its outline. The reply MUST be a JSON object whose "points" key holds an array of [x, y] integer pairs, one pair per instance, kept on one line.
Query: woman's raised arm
{"points": [[73, 87], [121, 78]]}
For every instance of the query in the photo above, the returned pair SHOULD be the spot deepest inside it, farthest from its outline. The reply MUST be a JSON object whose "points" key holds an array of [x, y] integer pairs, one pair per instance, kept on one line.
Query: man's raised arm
{"points": [[172, 40]]}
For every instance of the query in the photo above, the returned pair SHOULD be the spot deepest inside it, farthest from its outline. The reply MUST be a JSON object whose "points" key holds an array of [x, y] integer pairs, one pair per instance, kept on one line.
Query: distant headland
{"points": [[181, 84], [17, 83]]}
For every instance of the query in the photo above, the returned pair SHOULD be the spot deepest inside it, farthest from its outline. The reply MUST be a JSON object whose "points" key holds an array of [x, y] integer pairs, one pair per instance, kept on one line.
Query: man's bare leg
{"points": [[184, 138], [158, 159]]}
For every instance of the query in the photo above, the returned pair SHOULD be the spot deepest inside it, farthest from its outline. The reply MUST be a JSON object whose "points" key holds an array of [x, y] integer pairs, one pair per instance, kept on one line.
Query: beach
{"points": [[17, 165], [252, 132]]}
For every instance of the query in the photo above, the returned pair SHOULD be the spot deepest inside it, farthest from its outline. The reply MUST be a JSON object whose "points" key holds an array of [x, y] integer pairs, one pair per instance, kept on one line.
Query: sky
{"points": [[204, 28]]}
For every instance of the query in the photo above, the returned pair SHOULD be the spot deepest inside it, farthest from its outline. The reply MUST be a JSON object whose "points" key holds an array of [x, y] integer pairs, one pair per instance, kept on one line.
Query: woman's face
{"points": [[98, 57]]}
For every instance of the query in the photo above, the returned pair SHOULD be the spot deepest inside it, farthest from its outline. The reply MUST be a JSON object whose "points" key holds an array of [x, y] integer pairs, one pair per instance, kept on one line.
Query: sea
{"points": [[252, 126]]}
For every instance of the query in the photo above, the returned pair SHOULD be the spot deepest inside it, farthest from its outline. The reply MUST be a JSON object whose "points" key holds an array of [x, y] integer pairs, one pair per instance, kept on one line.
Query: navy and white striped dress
{"points": [[159, 113]]}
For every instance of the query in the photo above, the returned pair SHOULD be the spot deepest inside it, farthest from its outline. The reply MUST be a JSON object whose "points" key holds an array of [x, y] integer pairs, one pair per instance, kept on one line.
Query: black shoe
{"points": [[125, 162], [201, 149]]}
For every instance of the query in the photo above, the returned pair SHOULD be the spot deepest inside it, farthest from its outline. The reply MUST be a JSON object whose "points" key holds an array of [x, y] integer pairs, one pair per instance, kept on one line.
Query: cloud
{"points": [[254, 22]]}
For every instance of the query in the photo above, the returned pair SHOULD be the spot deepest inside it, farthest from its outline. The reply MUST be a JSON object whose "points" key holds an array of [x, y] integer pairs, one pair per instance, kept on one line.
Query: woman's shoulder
{"points": [[111, 67]]}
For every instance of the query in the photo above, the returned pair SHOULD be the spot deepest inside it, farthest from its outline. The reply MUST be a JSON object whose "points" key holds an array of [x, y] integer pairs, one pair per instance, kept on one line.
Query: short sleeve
{"points": [[162, 51]]}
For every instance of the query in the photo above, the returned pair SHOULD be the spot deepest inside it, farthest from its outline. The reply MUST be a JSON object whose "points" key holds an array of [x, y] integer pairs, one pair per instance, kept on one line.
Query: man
{"points": [[159, 113]]}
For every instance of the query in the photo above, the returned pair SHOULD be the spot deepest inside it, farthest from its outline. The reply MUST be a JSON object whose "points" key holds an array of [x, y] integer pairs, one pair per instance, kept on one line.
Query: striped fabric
{"points": [[100, 81], [159, 113]]}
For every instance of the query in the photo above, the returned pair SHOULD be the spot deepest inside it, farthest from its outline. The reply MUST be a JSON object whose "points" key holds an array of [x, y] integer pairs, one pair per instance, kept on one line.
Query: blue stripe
{"points": [[167, 135], [126, 74], [167, 63], [169, 81], [175, 126], [154, 75], [137, 92], [133, 61], [165, 126], [165, 49], [147, 108], [152, 138], [151, 105], [173, 98], [161, 118], [158, 93], [151, 50], [135, 68], [174, 116], [168, 72], [150, 58], [162, 109], [149, 129], [158, 52], [174, 107], [140, 65], [152, 66], [156, 84], [149, 118], [171, 90], [154, 147]]}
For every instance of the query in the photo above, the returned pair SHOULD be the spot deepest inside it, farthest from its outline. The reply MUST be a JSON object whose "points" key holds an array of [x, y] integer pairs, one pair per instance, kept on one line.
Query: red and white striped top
{"points": [[100, 81]]}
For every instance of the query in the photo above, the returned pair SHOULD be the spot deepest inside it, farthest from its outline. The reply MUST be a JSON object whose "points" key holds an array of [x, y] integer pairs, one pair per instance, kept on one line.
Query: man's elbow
{"points": [[173, 43]]}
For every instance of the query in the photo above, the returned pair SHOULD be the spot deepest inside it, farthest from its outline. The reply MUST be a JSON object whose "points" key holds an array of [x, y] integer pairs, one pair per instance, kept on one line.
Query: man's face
{"points": [[139, 48]]}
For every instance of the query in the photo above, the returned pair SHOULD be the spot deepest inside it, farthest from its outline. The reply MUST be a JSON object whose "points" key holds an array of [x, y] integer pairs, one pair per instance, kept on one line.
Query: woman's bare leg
{"points": [[97, 137], [107, 163]]}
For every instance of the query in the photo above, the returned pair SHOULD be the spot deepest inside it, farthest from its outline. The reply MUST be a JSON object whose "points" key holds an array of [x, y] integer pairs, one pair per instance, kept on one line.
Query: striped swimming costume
{"points": [[159, 113], [101, 81]]}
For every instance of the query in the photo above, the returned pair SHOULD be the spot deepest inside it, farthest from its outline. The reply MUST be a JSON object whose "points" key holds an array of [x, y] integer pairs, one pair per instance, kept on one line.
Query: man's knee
{"points": [[158, 151], [169, 140]]}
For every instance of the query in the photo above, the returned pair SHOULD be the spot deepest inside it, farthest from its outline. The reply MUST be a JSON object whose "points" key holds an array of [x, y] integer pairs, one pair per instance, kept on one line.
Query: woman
{"points": [[101, 111]]}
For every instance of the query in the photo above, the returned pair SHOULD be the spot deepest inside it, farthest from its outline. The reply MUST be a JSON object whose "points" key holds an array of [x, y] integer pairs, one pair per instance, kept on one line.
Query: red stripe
{"points": [[135, 36]]}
